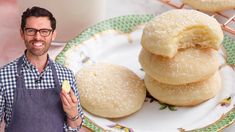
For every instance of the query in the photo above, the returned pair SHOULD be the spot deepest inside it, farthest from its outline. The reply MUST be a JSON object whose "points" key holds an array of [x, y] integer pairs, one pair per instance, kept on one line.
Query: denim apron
{"points": [[36, 110]]}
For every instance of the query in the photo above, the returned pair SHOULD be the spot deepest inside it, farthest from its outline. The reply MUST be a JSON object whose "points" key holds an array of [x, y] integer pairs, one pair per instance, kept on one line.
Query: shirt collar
{"points": [[27, 63]]}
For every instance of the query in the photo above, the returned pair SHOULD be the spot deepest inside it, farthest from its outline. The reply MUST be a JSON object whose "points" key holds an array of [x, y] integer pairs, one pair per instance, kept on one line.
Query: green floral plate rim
{"points": [[126, 24]]}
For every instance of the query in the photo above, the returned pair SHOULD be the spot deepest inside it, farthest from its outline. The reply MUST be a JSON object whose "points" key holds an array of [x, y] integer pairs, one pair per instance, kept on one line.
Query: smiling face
{"points": [[37, 45]]}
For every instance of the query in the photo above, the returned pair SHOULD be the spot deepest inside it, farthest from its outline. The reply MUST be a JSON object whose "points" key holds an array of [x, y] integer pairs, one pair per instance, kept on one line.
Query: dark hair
{"points": [[37, 12]]}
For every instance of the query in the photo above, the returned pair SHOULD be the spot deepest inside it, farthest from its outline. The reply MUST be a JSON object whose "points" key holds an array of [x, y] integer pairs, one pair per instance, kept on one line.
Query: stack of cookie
{"points": [[179, 57]]}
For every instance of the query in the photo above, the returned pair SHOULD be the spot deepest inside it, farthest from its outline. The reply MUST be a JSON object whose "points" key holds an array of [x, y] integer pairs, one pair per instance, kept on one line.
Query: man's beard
{"points": [[37, 52]]}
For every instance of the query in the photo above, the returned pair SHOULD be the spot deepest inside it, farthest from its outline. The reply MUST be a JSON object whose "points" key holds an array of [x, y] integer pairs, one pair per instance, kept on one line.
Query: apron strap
{"points": [[19, 76], [54, 74]]}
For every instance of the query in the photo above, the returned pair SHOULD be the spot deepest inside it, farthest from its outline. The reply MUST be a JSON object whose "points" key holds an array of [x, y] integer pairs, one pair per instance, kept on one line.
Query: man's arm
{"points": [[2, 100], [72, 107]]}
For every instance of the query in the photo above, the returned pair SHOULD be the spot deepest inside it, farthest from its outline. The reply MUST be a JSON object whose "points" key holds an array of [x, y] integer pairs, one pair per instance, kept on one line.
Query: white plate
{"points": [[117, 41]]}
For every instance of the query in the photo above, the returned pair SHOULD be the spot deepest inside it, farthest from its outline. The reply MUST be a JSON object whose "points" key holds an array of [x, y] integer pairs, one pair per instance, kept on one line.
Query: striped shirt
{"points": [[33, 80]]}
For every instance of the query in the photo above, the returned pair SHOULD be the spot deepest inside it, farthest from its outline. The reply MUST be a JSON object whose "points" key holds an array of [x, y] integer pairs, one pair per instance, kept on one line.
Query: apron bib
{"points": [[36, 110]]}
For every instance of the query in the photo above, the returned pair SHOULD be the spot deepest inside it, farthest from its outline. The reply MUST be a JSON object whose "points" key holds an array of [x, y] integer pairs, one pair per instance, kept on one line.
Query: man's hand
{"points": [[70, 106], [69, 103]]}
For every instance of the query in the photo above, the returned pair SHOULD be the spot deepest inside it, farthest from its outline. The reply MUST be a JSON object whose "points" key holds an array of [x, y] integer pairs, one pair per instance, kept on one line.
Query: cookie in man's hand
{"points": [[66, 86]]}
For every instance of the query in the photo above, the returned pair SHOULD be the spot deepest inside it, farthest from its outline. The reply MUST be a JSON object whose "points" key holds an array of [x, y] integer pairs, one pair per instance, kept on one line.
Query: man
{"points": [[30, 87]]}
